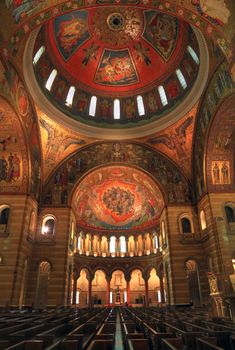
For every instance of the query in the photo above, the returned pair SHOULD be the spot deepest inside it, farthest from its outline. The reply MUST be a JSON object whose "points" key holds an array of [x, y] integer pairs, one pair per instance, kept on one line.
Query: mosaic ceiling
{"points": [[117, 197], [134, 57]]}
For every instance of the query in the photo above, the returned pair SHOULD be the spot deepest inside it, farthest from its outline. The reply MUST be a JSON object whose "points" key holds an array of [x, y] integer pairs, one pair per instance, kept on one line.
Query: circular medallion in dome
{"points": [[116, 27]]}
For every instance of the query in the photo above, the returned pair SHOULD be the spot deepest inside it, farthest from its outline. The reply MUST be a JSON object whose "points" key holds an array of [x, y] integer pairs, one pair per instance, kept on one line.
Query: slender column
{"points": [[127, 250], [108, 279], [83, 243], [162, 288], [99, 246], [136, 245], [108, 245], [117, 246], [144, 245], [151, 242], [90, 279], [90, 244], [128, 278], [74, 291], [146, 290]]}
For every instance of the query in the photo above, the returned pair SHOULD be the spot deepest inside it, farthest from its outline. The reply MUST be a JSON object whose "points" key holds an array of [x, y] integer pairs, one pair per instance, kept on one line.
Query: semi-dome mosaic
{"points": [[116, 66], [117, 198]]}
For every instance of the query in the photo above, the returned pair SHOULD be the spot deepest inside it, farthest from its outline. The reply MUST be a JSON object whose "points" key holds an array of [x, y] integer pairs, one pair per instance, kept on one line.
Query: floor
{"points": [[118, 334]]}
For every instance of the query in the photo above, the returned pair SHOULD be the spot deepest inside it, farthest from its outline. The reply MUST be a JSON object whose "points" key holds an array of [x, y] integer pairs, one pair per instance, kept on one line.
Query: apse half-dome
{"points": [[116, 66], [117, 198]]}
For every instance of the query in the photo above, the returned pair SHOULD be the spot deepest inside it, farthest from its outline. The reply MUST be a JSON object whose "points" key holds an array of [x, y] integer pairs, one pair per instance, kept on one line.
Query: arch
{"points": [[14, 152], [131, 246], [137, 287], [154, 287], [128, 150], [212, 125], [203, 221], [41, 297], [92, 106], [112, 246], [193, 282], [118, 287], [32, 221], [186, 224], [4, 218], [48, 226], [82, 286], [99, 288], [230, 212], [122, 245]]}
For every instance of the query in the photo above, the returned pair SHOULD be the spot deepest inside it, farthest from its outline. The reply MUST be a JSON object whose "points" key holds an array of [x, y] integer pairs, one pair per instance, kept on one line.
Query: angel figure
{"points": [[57, 142], [176, 141]]}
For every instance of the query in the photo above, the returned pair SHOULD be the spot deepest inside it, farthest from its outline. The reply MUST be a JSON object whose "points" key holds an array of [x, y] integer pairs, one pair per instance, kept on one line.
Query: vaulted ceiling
{"points": [[117, 51]]}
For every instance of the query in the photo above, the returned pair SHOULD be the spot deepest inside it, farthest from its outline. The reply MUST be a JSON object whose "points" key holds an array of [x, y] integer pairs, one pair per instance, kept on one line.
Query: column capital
{"points": [[90, 277], [108, 278], [127, 277], [146, 276]]}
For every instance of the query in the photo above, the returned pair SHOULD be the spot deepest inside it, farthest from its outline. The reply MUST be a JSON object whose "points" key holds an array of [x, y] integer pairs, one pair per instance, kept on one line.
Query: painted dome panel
{"points": [[117, 198], [117, 53]]}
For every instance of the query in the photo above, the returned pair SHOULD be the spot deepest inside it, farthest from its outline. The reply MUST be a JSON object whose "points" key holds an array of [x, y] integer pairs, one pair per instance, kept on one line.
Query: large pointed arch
{"points": [[13, 90], [60, 185]]}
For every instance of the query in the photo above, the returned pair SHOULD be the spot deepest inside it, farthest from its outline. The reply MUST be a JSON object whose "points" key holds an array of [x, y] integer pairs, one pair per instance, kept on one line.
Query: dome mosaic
{"points": [[116, 66]]}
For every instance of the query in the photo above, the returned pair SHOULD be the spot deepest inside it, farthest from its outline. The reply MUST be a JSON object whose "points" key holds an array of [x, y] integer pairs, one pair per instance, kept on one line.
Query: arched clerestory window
{"points": [[203, 220], [230, 213], [4, 218], [48, 227], [186, 225], [230, 217]]}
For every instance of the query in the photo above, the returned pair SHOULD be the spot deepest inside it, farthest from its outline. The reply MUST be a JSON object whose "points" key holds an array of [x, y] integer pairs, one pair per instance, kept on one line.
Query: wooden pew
{"points": [[208, 344], [172, 344], [27, 345], [54, 334], [154, 336], [28, 332], [138, 344], [101, 344]]}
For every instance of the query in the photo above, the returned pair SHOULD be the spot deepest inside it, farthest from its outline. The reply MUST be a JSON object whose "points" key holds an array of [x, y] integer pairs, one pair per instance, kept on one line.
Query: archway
{"points": [[99, 288], [137, 288], [193, 283], [82, 289], [118, 294], [44, 271], [154, 288]]}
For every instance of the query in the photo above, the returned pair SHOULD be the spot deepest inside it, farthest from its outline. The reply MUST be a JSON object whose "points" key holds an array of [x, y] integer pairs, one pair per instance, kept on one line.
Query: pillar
{"points": [[162, 288], [128, 278], [83, 243], [146, 278], [108, 247], [117, 246], [90, 279], [74, 290], [108, 279], [99, 246], [136, 245], [144, 244]]}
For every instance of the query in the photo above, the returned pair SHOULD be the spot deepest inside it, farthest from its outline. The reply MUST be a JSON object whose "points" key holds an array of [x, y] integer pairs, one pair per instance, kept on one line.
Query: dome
{"points": [[117, 67]]}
